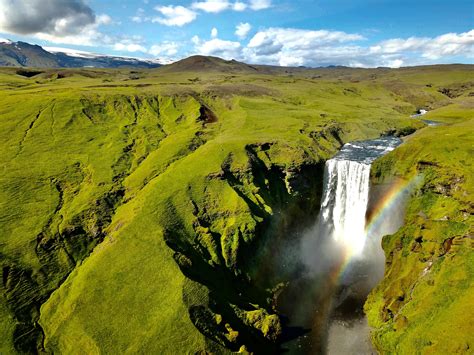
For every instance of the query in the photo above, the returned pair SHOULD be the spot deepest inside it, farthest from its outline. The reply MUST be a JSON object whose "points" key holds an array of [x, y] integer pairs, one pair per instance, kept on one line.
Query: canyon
{"points": [[170, 209]]}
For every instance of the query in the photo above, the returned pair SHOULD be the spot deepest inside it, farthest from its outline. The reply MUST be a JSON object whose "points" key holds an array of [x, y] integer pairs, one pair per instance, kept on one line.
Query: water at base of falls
{"points": [[341, 264]]}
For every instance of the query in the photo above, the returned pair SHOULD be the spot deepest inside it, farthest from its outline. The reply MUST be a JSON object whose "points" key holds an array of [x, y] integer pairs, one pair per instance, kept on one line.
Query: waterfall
{"points": [[345, 202], [340, 259], [346, 192]]}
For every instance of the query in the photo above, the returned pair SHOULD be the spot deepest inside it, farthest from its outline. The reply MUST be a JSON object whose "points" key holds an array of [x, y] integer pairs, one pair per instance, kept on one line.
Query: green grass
{"points": [[116, 193], [421, 306]]}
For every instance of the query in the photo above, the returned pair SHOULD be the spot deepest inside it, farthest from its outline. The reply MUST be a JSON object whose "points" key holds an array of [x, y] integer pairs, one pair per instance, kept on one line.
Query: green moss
{"points": [[115, 195], [268, 324], [420, 305]]}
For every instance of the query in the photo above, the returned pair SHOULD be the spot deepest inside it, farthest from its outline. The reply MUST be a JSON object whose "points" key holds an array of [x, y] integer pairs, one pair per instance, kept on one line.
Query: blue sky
{"points": [[327, 32]]}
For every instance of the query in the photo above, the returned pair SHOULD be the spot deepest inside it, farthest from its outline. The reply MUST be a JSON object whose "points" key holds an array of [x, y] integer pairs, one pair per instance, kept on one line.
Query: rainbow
{"points": [[380, 213], [346, 254], [391, 198]]}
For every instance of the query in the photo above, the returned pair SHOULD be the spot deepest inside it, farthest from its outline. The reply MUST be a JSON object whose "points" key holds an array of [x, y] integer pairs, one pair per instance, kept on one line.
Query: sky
{"points": [[357, 33]]}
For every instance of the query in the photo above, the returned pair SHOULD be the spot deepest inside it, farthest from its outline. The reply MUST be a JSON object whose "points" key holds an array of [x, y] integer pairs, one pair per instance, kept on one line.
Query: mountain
{"points": [[200, 63], [26, 55], [22, 54]]}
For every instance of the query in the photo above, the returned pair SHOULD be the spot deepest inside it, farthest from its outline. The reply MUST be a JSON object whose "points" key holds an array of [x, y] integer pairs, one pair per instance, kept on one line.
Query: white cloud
{"points": [[213, 6], [195, 40], [174, 15], [166, 49], [217, 47], [264, 44], [301, 39], [88, 36], [287, 46], [396, 63], [239, 6], [449, 44], [103, 19], [130, 47], [129, 44], [58, 21], [260, 4], [294, 47], [291, 47], [140, 16], [216, 6], [54, 17], [242, 30]]}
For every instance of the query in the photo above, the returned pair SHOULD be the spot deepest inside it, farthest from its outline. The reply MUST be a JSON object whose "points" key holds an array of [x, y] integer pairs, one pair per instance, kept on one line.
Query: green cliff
{"points": [[424, 303]]}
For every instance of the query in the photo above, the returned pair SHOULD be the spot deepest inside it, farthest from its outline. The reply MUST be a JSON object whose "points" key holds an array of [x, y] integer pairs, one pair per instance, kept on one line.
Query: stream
{"points": [[341, 258]]}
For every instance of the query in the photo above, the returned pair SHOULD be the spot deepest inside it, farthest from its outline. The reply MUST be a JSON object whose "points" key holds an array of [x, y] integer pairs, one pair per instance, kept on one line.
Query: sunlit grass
{"points": [[98, 163]]}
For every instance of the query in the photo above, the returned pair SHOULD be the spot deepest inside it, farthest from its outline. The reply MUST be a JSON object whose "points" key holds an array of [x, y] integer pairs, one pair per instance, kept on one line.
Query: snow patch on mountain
{"points": [[72, 52]]}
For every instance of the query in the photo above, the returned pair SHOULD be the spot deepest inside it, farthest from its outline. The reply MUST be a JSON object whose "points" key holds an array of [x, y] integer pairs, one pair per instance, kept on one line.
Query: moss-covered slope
{"points": [[424, 303], [134, 205]]}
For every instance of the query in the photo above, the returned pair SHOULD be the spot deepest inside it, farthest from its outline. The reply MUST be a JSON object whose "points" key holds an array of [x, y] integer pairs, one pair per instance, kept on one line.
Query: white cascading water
{"points": [[346, 192], [345, 203]]}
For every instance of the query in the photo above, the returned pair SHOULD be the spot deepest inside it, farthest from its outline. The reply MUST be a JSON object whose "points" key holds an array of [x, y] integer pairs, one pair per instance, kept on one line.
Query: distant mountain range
{"points": [[22, 54]]}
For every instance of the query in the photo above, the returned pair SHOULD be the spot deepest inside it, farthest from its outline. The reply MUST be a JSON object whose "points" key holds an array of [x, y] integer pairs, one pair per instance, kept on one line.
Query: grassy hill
{"points": [[199, 63], [135, 204]]}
